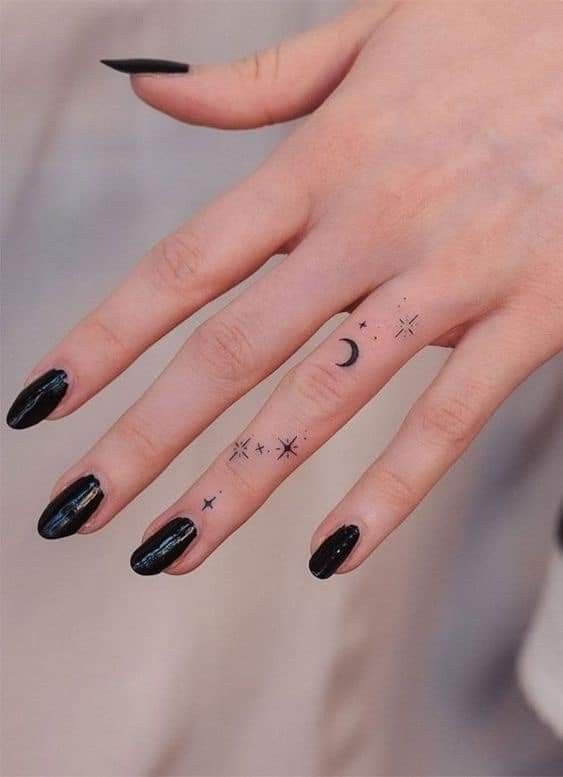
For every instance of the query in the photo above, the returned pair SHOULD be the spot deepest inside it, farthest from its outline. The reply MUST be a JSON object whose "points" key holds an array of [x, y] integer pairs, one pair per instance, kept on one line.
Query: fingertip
{"points": [[333, 551], [147, 67], [39, 399], [165, 94], [162, 550], [202, 96]]}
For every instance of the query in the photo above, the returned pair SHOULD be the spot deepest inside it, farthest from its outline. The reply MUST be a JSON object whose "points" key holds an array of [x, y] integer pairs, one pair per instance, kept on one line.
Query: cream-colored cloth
{"points": [[249, 666], [540, 668]]}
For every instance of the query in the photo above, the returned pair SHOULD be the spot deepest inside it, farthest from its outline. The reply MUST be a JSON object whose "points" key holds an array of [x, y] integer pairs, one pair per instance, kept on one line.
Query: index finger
{"points": [[216, 249]]}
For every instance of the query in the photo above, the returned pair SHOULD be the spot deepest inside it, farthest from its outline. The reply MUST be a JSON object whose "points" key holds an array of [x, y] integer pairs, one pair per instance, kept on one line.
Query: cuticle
{"points": [[192, 543], [92, 524], [70, 385], [328, 534], [37, 373], [84, 474], [361, 529], [146, 536], [104, 484]]}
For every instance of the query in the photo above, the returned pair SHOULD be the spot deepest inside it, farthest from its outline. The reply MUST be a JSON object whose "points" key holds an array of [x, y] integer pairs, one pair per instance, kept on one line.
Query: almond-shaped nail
{"points": [[38, 399], [146, 66], [70, 509], [163, 547], [333, 551]]}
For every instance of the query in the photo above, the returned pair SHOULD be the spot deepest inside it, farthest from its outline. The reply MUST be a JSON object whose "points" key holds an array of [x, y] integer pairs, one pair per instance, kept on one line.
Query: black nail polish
{"points": [[334, 550], [70, 509], [146, 66], [163, 547], [37, 400]]}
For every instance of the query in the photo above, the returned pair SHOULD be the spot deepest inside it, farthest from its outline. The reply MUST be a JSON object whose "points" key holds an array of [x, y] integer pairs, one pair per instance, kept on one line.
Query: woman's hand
{"points": [[424, 194]]}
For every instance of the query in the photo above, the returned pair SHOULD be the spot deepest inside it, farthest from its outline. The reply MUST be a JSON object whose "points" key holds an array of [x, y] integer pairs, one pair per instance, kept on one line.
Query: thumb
{"points": [[272, 86]]}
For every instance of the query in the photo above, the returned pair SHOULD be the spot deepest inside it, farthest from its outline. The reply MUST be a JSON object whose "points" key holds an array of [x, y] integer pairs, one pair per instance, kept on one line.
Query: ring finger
{"points": [[491, 360]]}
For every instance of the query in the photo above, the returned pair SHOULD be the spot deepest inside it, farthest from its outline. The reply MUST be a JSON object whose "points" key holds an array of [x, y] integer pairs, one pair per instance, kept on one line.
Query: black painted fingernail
{"points": [[334, 550], [70, 509], [146, 66], [163, 547], [37, 400]]}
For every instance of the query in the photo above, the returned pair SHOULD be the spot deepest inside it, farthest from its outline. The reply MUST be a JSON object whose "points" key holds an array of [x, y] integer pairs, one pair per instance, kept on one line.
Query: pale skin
{"points": [[423, 193]]}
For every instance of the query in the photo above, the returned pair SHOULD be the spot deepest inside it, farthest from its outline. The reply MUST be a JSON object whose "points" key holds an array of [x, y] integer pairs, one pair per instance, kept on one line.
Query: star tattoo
{"points": [[363, 324], [406, 326], [287, 448], [208, 503], [239, 450]]}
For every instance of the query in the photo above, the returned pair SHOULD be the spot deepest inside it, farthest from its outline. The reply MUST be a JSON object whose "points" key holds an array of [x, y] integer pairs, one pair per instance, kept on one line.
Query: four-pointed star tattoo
{"points": [[287, 448], [406, 326], [239, 450]]}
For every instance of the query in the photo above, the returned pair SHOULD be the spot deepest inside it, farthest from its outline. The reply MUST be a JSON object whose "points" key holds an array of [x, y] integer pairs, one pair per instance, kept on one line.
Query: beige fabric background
{"points": [[540, 664], [249, 666]]}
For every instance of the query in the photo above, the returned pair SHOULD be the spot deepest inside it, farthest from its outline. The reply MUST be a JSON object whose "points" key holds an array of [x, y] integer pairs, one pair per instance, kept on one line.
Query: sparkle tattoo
{"points": [[407, 325], [240, 450], [287, 448]]}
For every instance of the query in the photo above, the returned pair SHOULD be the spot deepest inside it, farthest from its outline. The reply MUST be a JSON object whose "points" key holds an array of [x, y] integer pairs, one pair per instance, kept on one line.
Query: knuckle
{"points": [[268, 64], [540, 310], [452, 420], [395, 490], [139, 439], [244, 485], [262, 69], [108, 336], [249, 68], [262, 66], [226, 350], [256, 66], [276, 56], [178, 259], [318, 390]]}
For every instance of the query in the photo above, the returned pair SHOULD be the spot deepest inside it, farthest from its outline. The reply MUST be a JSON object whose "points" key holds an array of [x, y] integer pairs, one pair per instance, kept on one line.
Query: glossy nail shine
{"points": [[38, 399], [333, 551], [163, 547], [142, 66], [70, 509]]}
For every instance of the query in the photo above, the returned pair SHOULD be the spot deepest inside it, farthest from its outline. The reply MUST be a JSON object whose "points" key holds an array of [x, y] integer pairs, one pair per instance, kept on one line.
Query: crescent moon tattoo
{"points": [[354, 352]]}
